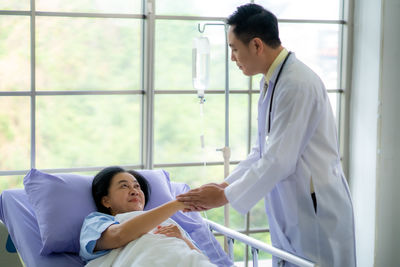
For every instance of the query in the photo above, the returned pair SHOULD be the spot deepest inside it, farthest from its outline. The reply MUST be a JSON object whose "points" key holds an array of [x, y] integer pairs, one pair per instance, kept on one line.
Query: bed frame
{"points": [[257, 245]]}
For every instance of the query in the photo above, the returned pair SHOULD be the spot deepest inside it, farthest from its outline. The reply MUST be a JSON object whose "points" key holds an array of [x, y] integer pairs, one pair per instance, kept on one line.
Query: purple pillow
{"points": [[62, 201]]}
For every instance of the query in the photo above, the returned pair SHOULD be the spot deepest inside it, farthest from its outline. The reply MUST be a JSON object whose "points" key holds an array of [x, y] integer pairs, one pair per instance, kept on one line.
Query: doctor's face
{"points": [[124, 194], [243, 54]]}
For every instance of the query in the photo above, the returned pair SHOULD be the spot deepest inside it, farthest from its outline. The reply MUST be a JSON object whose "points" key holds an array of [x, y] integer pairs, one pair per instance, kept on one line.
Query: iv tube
{"points": [[202, 141], [201, 65], [200, 75]]}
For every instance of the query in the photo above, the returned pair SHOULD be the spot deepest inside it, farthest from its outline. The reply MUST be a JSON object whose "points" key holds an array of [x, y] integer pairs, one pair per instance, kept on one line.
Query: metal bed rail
{"points": [[257, 245]]}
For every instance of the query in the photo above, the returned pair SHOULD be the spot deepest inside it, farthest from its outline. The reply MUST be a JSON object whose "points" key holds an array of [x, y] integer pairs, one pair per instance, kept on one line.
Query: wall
{"points": [[363, 125], [374, 161], [387, 237]]}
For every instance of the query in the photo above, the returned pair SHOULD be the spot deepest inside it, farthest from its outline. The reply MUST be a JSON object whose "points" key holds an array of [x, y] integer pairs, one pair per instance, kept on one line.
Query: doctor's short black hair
{"points": [[251, 21], [102, 180]]}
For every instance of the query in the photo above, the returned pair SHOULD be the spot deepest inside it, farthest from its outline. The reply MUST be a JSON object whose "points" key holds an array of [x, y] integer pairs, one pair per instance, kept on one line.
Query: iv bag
{"points": [[201, 64]]}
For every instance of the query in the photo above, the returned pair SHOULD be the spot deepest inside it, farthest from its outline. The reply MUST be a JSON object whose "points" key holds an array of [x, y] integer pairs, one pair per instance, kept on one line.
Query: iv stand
{"points": [[226, 151]]}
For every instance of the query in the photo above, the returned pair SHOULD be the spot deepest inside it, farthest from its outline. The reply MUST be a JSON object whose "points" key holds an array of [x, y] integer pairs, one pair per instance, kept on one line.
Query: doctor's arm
{"points": [[297, 112]]}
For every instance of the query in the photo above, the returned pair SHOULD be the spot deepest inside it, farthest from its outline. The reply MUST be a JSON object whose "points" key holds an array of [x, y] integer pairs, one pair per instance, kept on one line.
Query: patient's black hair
{"points": [[102, 181]]}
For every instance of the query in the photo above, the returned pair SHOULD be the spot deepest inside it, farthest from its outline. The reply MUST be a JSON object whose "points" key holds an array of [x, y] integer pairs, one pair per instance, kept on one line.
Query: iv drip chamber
{"points": [[201, 64]]}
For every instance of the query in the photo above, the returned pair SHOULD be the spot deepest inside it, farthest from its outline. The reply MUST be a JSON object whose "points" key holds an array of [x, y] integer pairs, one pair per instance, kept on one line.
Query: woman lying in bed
{"points": [[122, 234]]}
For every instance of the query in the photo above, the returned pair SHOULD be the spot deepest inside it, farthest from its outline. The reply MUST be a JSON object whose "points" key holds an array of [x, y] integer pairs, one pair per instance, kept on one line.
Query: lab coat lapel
{"points": [[263, 108]]}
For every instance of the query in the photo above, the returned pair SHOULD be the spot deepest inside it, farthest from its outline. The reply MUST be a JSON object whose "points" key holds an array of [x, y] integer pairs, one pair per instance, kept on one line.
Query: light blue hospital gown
{"points": [[93, 226]]}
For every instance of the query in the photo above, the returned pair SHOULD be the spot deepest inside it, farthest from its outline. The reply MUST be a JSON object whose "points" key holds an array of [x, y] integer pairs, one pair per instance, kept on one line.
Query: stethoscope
{"points": [[273, 91]]}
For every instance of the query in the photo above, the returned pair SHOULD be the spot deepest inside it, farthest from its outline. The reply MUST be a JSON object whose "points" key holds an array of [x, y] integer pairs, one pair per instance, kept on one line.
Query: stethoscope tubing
{"points": [[273, 91]]}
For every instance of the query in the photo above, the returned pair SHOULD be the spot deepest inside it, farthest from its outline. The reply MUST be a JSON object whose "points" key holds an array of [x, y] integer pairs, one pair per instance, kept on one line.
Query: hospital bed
{"points": [[43, 220]]}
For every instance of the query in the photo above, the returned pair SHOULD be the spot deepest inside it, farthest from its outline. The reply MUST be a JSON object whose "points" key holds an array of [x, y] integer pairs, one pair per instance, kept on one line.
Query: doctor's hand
{"points": [[205, 197]]}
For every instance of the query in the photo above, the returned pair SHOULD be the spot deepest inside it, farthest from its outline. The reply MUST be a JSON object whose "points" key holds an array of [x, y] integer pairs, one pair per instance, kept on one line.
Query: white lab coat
{"points": [[302, 144]]}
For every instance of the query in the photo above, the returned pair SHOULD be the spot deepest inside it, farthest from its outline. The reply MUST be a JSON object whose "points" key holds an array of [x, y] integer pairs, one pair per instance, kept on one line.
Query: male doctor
{"points": [[295, 165]]}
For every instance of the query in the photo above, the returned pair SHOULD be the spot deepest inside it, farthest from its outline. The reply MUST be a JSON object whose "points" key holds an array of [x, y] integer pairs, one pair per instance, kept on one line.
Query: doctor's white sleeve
{"points": [[244, 165], [296, 113]]}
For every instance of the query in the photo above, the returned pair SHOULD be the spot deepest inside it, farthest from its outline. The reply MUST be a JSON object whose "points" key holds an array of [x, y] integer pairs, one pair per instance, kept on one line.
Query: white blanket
{"points": [[152, 250]]}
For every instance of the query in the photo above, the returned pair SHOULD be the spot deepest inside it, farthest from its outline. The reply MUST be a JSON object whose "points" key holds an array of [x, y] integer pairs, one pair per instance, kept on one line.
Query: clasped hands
{"points": [[205, 197]]}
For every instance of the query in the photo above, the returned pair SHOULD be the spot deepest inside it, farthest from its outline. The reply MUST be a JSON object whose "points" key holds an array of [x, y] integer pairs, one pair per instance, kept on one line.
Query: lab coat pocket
{"points": [[309, 189]]}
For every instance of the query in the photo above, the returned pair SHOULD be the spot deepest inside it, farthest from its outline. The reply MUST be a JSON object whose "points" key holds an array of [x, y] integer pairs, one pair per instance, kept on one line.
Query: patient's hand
{"points": [[170, 231], [173, 231], [205, 197]]}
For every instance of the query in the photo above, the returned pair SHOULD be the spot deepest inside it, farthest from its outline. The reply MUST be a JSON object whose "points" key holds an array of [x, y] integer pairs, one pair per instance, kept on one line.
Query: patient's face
{"points": [[124, 194]]}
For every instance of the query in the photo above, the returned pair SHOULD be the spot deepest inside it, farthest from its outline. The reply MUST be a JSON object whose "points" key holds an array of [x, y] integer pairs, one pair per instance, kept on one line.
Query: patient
{"points": [[121, 233]]}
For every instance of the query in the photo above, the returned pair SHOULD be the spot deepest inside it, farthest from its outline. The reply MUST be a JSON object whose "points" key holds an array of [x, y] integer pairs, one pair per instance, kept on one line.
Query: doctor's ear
{"points": [[257, 44]]}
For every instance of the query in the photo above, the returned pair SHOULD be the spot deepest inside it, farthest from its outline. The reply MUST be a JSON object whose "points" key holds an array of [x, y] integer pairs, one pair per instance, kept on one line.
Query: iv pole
{"points": [[226, 151]]}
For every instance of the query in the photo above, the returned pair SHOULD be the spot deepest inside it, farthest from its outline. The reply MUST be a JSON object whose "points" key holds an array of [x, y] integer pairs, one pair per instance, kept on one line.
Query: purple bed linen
{"points": [[19, 218]]}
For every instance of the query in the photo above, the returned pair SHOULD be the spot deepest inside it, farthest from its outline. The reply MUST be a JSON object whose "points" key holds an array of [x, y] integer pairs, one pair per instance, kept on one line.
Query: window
{"points": [[84, 85]]}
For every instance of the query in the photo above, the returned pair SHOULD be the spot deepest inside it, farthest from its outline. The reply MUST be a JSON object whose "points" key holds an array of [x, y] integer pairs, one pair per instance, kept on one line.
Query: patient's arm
{"points": [[173, 231], [118, 235]]}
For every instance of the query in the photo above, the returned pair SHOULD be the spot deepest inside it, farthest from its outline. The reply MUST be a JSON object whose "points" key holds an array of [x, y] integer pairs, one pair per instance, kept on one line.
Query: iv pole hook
{"points": [[202, 29]]}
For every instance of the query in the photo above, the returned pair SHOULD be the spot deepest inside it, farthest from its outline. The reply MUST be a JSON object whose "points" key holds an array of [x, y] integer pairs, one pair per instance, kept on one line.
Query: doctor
{"points": [[295, 165]]}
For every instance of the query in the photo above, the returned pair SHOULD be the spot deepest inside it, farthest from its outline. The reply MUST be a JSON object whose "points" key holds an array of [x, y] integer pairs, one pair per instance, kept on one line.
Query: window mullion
{"points": [[33, 84]]}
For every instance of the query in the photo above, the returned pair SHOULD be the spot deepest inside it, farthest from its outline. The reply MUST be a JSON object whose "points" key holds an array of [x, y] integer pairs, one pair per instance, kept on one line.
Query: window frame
{"points": [[148, 92]]}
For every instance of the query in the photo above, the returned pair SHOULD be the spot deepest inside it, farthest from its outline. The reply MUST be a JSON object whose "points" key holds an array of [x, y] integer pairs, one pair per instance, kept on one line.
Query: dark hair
{"points": [[101, 183], [252, 20]]}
